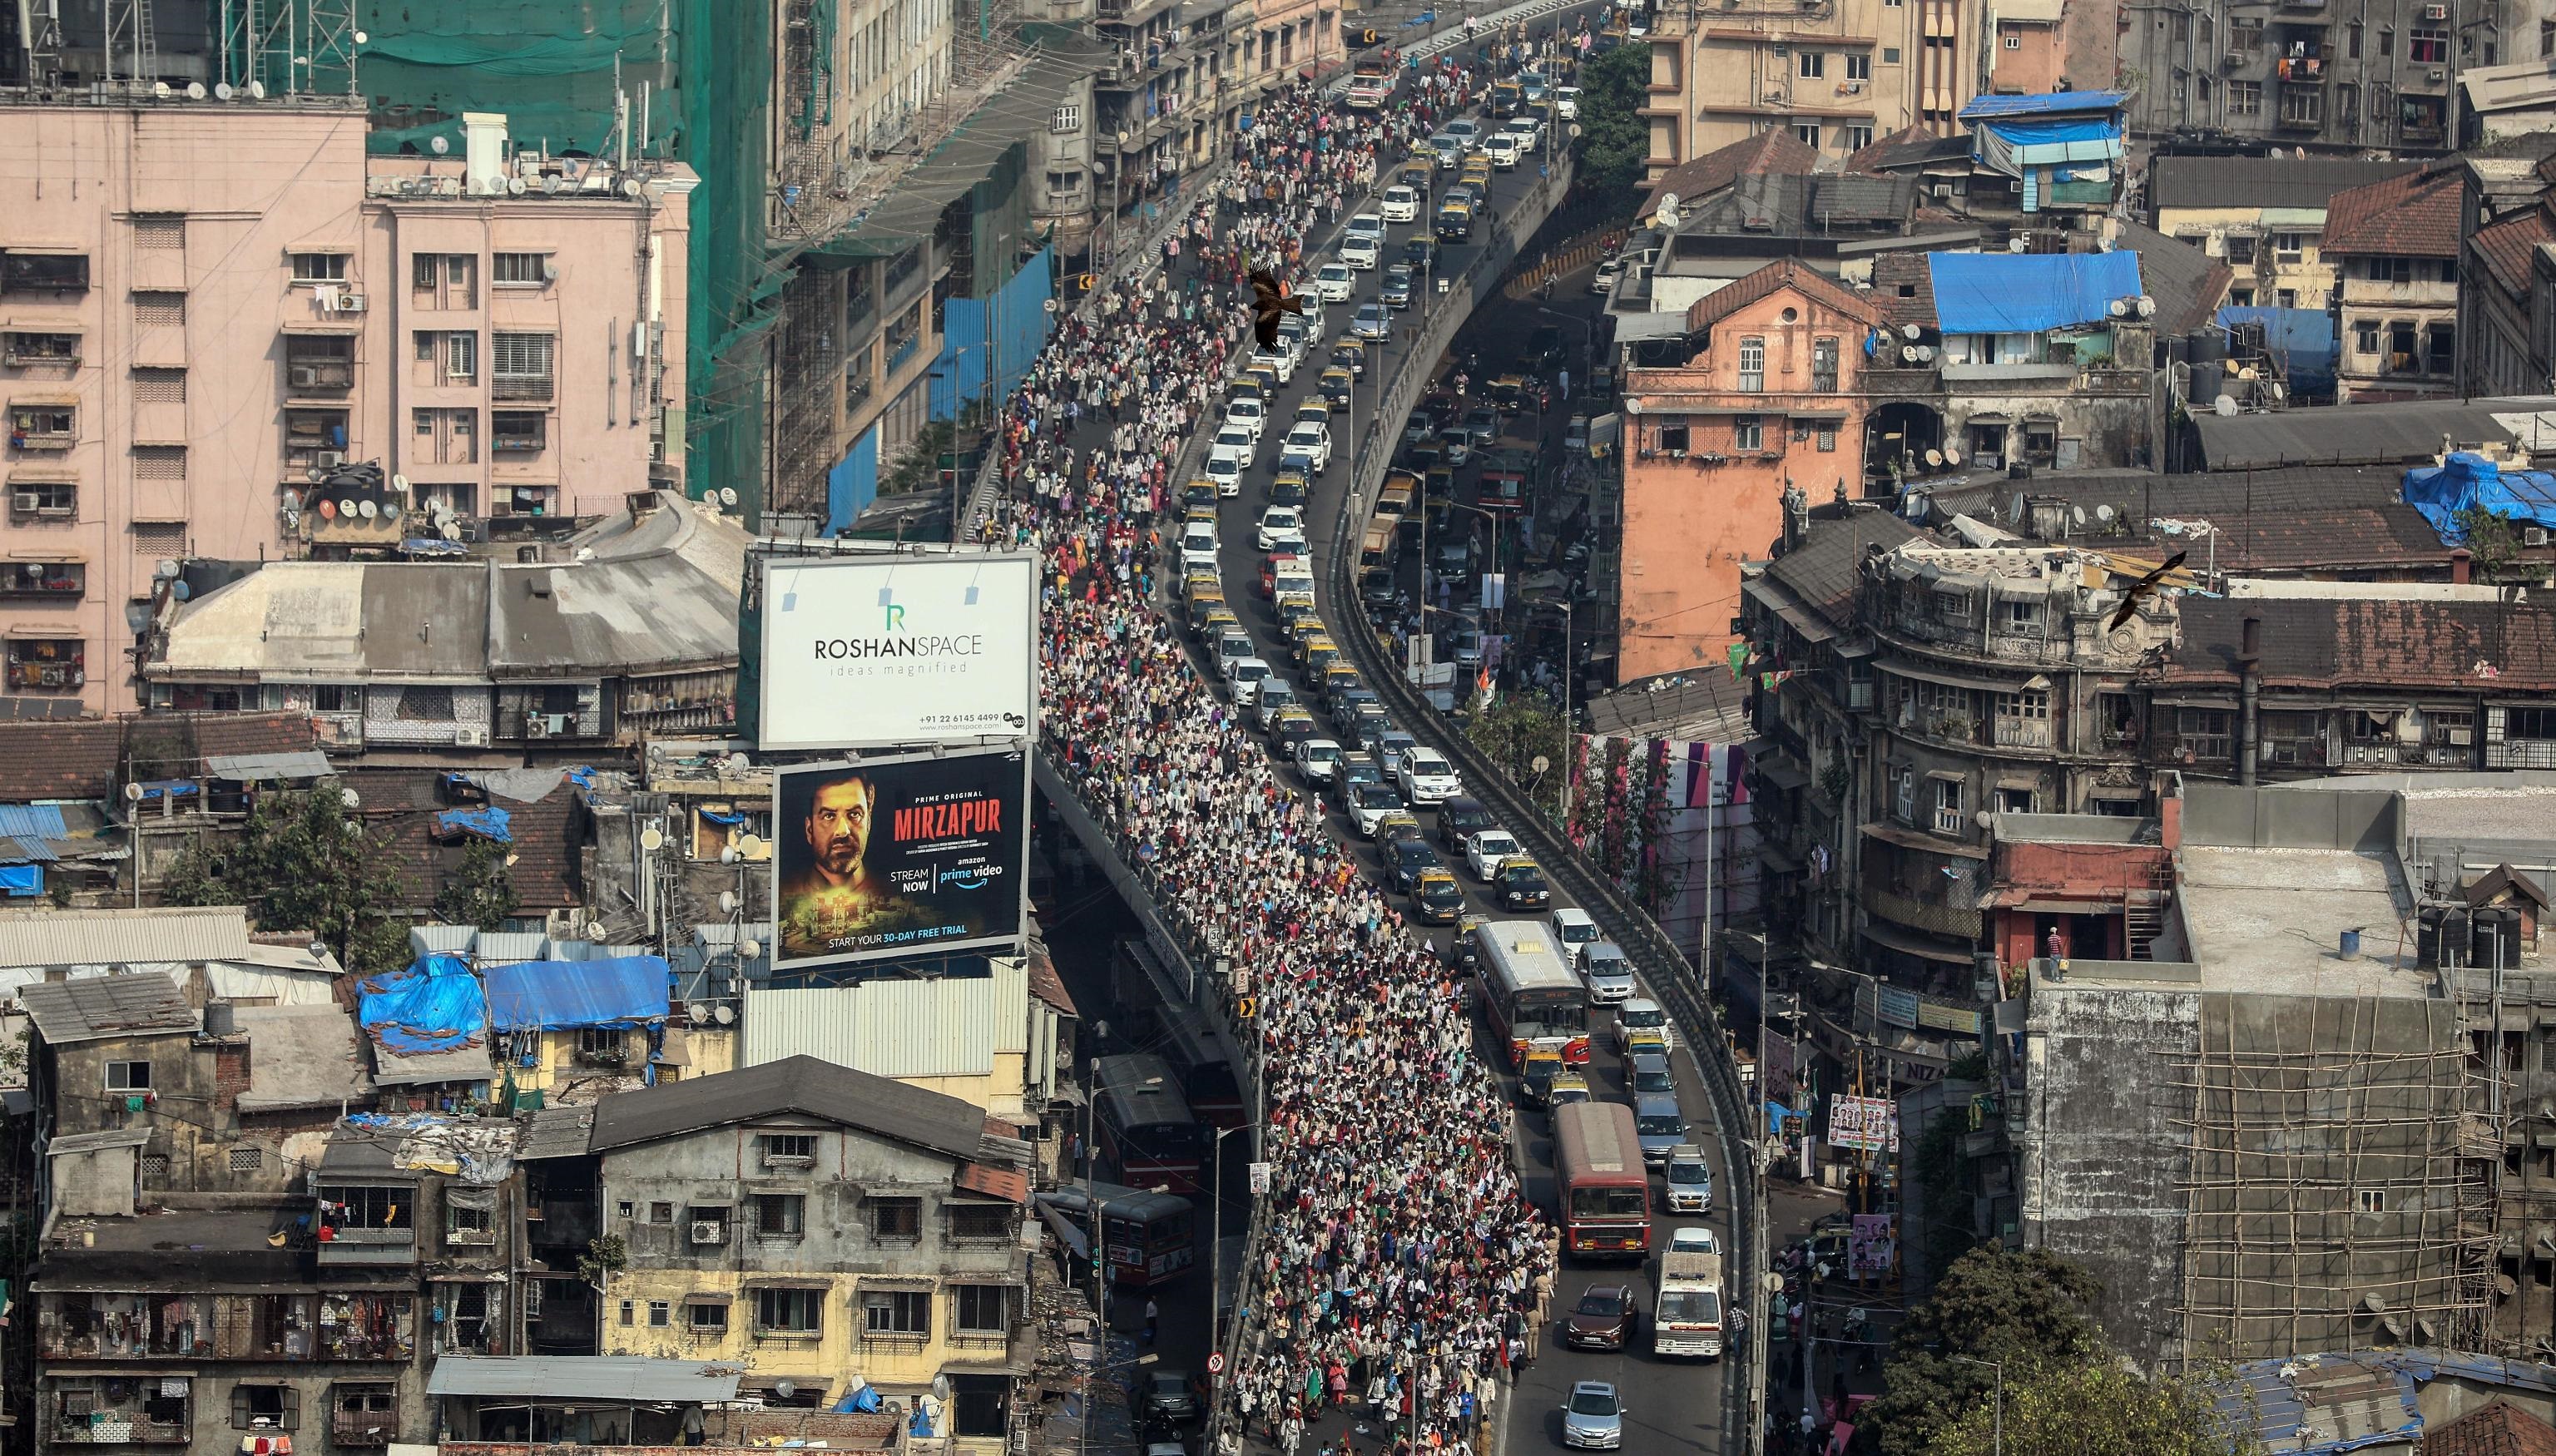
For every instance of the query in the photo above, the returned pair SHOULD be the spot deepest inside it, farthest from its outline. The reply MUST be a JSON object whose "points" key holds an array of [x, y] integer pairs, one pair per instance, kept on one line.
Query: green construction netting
{"points": [[548, 67]]}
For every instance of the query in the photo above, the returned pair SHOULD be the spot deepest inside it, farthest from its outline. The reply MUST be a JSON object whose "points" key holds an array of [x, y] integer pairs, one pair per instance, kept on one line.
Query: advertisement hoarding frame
{"points": [[933, 560]]}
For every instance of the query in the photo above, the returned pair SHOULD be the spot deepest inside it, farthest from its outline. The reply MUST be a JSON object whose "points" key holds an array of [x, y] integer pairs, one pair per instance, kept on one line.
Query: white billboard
{"points": [[880, 650]]}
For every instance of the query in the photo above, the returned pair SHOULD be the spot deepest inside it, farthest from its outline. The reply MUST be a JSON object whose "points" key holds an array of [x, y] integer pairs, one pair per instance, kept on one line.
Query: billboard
{"points": [[879, 650], [906, 855], [1865, 1123]]}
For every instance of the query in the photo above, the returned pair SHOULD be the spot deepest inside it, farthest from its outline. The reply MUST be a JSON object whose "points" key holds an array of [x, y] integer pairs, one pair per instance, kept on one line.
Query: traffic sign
{"points": [[1216, 1363], [1245, 1007]]}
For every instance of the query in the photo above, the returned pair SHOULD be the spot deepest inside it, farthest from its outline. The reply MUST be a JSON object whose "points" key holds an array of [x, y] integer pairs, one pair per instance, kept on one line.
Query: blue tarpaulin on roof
{"points": [[22, 879], [549, 996], [2303, 340], [2046, 104], [489, 824], [433, 1005], [716, 816], [2025, 293], [2441, 493], [2056, 130], [174, 788]]}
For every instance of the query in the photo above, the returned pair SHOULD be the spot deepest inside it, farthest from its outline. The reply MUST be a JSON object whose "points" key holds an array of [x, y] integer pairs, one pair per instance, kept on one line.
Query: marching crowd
{"points": [[1402, 1271]]}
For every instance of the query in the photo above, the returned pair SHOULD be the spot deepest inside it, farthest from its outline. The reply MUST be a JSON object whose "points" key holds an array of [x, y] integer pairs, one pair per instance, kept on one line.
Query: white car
{"points": [[1280, 361], [1643, 1016], [1369, 225], [1362, 253], [1486, 849], [1226, 473], [1233, 441], [1566, 102], [1279, 521], [1689, 1179], [1311, 441], [1528, 131], [1695, 1239], [1428, 779], [1368, 804], [1249, 415], [1466, 132], [1574, 930], [1290, 543], [1197, 545], [1502, 148], [1399, 205], [1334, 283], [1246, 675], [1319, 759]]}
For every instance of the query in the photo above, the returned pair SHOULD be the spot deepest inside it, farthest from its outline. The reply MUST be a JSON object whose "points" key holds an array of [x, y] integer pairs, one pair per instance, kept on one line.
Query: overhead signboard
{"points": [[918, 854], [889, 650]]}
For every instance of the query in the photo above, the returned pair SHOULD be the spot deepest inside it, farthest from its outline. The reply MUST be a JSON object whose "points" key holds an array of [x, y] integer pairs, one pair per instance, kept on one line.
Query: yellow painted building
{"points": [[817, 1224]]}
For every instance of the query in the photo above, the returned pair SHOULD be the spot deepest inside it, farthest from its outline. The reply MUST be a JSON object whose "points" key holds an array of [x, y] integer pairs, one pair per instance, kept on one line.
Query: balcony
{"points": [[43, 580], [1937, 919], [363, 1427], [521, 387], [362, 1248], [117, 1428]]}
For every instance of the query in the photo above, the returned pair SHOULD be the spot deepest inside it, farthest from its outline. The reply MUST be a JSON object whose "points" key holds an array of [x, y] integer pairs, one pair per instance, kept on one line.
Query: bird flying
{"points": [[1270, 299], [2145, 587]]}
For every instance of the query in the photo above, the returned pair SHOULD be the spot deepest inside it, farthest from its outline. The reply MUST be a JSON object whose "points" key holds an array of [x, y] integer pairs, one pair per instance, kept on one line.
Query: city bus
{"points": [[1529, 990], [1207, 1078], [1151, 1238], [1371, 82], [1604, 1196], [1143, 1124], [1502, 488]]}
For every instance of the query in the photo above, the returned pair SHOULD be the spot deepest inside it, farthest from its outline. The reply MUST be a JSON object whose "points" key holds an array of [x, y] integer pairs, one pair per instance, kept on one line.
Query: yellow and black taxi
{"points": [[1288, 488], [1518, 885], [1338, 383], [1199, 492], [1436, 898], [1535, 1076]]}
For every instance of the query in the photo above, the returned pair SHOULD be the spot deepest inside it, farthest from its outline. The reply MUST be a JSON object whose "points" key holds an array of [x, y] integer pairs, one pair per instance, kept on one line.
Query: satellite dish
{"points": [[166, 571], [728, 496], [2078, 514], [1908, 353], [181, 590], [1908, 331], [2014, 245], [439, 145], [652, 839], [514, 187], [257, 90], [195, 90], [2147, 307], [160, 90], [133, 793], [346, 507], [750, 845], [551, 185], [400, 483], [2103, 514], [785, 1388], [696, 1014], [361, 38], [351, 798], [1934, 457], [1951, 455], [727, 902], [329, 510], [223, 91], [292, 500], [452, 530], [391, 510], [1925, 353], [726, 1016], [1668, 203], [2224, 406], [2118, 308], [749, 949], [629, 187], [367, 509], [1539, 763]]}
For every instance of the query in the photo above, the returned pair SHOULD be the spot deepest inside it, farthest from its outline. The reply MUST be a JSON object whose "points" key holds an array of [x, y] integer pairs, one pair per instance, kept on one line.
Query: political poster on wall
{"points": [[912, 855]]}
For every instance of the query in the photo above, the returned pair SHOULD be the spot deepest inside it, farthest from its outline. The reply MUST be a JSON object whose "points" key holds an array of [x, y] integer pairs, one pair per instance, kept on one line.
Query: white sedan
{"points": [[1280, 361], [1247, 414], [1311, 440], [1399, 205], [1428, 779], [1486, 849], [1369, 225], [1236, 443], [1335, 283], [1277, 523], [1226, 473], [1362, 253]]}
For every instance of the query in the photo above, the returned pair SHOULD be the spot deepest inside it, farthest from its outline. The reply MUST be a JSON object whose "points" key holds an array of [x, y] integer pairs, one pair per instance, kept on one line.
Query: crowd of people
{"points": [[1401, 1271]]}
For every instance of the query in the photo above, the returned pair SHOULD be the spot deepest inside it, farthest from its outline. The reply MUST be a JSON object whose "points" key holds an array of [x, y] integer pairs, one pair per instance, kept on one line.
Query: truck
{"points": [[1371, 82], [1686, 1315]]}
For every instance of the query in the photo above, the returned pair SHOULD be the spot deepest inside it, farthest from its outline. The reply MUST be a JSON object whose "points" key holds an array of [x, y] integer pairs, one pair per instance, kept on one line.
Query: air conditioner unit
{"points": [[2439, 73], [304, 376], [350, 303], [2533, 535], [327, 459], [2436, 12], [2462, 737], [709, 1232], [471, 737], [535, 726]]}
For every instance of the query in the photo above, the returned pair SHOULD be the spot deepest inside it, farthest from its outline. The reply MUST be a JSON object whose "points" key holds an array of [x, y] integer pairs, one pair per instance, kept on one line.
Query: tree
{"points": [[1614, 136], [480, 892], [2096, 1409], [1514, 735], [2491, 542], [302, 862], [2025, 1310]]}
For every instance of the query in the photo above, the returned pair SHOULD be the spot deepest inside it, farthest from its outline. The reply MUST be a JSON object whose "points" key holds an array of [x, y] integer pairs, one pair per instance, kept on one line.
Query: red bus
{"points": [[1145, 1127], [1152, 1238], [1207, 1078], [1603, 1192]]}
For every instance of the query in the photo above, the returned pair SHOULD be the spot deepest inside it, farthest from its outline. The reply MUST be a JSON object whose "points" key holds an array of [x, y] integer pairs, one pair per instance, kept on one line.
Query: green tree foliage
{"points": [[480, 892], [1615, 137], [303, 862], [1514, 736], [2491, 541], [2096, 1409], [2025, 1310]]}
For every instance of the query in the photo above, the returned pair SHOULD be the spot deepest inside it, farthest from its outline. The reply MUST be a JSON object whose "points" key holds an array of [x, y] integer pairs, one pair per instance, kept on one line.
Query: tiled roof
{"points": [[1008, 1184], [2500, 1428], [1908, 144], [2187, 284], [1785, 273], [58, 761], [2507, 247], [141, 1003], [2298, 518], [2412, 215], [2502, 648], [1775, 150], [400, 805], [1903, 289], [1825, 569]]}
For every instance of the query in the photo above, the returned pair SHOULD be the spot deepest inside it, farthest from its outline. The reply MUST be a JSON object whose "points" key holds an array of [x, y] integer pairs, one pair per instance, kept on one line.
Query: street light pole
{"points": [[1091, 1211], [1996, 1417]]}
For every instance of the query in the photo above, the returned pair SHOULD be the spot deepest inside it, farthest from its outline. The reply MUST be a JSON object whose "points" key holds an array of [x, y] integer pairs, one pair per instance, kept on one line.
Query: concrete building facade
{"points": [[1836, 73], [2394, 248], [2376, 76]]}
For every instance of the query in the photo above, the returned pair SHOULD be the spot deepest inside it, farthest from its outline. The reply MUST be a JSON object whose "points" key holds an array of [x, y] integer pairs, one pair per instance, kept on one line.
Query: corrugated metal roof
{"points": [[827, 1089], [2364, 434], [260, 767], [170, 936], [92, 1008], [452, 939], [508, 947], [32, 822], [585, 1378], [893, 1028]]}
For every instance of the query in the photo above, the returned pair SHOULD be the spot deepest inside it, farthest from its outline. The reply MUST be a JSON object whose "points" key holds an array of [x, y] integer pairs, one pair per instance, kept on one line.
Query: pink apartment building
{"points": [[202, 303]]}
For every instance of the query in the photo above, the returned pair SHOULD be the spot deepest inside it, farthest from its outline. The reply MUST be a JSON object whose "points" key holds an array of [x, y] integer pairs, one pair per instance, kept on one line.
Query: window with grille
{"points": [[18, 349], [37, 500], [520, 364], [160, 536], [979, 1309], [1824, 365], [128, 1075], [980, 1221], [520, 270], [897, 1312], [159, 310], [159, 386], [155, 1168], [1753, 365], [708, 1319], [1747, 432], [1067, 119], [246, 1160], [2245, 98], [160, 463], [160, 234], [896, 1218], [790, 1311], [780, 1215], [318, 267], [2202, 732]]}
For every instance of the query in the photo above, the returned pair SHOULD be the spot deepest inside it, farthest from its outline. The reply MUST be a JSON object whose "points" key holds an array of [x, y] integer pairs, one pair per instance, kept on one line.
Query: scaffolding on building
{"points": [[2339, 1187]]}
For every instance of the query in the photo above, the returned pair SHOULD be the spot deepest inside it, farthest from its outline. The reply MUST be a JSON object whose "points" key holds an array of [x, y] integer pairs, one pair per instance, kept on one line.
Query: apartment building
{"points": [[2379, 75], [2265, 217], [2394, 248], [2506, 276], [207, 305], [1835, 74]]}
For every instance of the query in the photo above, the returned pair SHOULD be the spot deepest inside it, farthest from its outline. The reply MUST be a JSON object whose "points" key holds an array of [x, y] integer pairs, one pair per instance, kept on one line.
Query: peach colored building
{"points": [[1774, 398], [204, 302], [1835, 74], [2026, 51]]}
